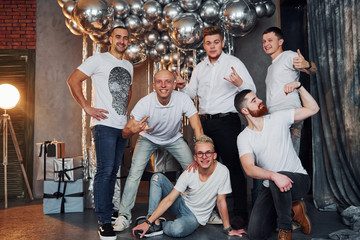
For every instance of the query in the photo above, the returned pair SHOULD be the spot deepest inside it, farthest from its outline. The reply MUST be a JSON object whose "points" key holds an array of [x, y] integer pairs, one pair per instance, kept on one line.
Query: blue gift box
{"points": [[63, 197]]}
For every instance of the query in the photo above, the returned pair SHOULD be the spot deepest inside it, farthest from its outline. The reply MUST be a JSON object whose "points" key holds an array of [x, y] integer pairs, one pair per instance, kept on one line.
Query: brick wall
{"points": [[18, 24]]}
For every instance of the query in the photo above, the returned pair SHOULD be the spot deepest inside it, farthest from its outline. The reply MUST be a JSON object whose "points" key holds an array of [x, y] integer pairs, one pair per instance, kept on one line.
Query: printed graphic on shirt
{"points": [[119, 85]]}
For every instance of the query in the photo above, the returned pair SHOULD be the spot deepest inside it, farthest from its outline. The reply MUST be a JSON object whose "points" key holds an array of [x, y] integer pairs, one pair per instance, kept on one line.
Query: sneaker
{"points": [[106, 232], [154, 230], [114, 216], [300, 216], [121, 223], [142, 219], [214, 218]]}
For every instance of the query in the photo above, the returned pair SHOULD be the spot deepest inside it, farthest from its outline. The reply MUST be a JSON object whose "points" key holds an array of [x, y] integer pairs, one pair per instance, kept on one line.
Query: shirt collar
{"points": [[207, 61], [170, 104]]}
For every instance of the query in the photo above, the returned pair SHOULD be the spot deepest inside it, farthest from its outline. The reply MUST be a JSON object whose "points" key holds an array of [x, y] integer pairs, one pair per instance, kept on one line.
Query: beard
{"points": [[259, 112]]}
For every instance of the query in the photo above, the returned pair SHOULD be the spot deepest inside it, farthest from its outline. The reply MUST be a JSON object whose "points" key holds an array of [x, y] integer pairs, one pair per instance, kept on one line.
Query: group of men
{"points": [[224, 87]]}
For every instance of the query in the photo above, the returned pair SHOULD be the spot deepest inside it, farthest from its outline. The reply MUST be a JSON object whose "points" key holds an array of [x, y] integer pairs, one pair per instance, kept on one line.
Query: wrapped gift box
{"points": [[162, 161], [70, 168], [63, 197]]}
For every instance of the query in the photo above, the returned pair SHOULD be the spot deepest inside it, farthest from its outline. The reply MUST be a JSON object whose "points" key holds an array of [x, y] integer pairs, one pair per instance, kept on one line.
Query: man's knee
{"points": [[175, 230]]}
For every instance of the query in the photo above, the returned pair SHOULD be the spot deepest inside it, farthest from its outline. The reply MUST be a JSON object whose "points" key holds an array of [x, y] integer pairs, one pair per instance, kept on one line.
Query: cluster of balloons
{"points": [[159, 28]]}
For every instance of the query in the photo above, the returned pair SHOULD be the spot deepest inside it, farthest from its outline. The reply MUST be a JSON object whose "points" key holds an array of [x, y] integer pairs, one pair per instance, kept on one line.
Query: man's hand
{"points": [[96, 113], [234, 78], [283, 182], [194, 166], [290, 87], [144, 227], [139, 126], [300, 63], [237, 232], [180, 82]]}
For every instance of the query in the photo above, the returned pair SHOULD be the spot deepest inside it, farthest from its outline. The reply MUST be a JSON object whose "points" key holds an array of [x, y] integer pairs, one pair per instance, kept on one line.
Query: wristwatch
{"points": [[308, 68], [148, 223], [227, 230]]}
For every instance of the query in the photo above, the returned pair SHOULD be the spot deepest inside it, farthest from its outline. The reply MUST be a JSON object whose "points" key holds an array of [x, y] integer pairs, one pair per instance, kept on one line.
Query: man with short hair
{"points": [[216, 81], [112, 77], [157, 117], [192, 199], [285, 68], [266, 152]]}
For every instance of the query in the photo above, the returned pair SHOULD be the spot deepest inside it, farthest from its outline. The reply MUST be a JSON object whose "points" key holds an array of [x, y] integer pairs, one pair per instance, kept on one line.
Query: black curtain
{"points": [[334, 42]]}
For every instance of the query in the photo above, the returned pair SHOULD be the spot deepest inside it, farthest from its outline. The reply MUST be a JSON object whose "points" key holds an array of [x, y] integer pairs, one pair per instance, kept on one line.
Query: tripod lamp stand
{"points": [[9, 97]]}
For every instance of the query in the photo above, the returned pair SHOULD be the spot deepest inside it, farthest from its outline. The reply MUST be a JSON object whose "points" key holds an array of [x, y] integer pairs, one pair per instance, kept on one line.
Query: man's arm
{"points": [[310, 106], [133, 126], [163, 206], [302, 65], [196, 125], [74, 83], [283, 182]]}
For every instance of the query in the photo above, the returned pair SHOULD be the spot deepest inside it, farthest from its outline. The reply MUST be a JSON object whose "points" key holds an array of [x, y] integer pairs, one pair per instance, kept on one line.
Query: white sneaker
{"points": [[121, 223], [214, 218]]}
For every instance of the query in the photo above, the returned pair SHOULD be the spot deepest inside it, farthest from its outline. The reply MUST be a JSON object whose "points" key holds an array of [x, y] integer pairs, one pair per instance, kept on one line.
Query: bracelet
{"points": [[227, 230], [308, 68], [299, 86], [148, 223]]}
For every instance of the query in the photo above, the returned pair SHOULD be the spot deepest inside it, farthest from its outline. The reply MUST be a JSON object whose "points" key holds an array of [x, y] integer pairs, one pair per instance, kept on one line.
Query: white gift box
{"points": [[70, 168]]}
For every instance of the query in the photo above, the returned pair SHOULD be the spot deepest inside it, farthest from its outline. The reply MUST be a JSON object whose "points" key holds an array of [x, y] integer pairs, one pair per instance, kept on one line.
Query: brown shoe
{"points": [[284, 234], [300, 216]]}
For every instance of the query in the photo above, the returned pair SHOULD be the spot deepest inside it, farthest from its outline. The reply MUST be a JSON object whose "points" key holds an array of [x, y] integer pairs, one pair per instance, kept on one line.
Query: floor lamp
{"points": [[9, 97]]}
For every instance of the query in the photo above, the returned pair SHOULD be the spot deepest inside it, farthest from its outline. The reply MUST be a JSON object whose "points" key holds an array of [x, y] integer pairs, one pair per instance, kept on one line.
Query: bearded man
{"points": [[266, 152]]}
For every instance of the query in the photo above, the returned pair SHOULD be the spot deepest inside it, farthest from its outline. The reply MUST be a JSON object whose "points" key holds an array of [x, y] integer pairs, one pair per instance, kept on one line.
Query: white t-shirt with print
{"points": [[111, 79], [164, 120], [200, 197], [279, 73], [272, 147]]}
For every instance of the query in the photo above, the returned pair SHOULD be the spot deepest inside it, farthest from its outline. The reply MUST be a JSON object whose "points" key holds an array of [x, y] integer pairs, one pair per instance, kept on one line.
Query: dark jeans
{"points": [[109, 147], [224, 132], [274, 208]]}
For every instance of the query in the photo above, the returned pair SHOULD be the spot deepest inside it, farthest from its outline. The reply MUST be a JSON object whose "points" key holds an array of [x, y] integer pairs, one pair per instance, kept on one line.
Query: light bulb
{"points": [[9, 96]]}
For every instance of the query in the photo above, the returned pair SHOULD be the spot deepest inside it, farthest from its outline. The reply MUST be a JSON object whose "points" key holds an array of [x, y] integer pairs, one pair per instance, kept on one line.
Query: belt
{"points": [[215, 116]]}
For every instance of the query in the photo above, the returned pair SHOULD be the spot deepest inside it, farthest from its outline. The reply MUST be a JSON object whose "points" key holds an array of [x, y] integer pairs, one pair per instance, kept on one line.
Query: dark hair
{"points": [[119, 26], [213, 30], [275, 30], [240, 99]]}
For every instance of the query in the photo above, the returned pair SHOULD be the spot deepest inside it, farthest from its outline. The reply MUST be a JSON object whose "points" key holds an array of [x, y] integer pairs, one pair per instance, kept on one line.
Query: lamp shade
{"points": [[9, 96]]}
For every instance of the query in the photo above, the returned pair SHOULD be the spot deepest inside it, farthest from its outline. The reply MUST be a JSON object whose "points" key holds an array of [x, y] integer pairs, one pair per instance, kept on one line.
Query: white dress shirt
{"points": [[216, 95]]}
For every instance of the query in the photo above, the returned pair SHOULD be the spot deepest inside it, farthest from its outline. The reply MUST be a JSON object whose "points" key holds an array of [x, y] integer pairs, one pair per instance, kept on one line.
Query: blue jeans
{"points": [[143, 150], [185, 221], [274, 208], [109, 147]]}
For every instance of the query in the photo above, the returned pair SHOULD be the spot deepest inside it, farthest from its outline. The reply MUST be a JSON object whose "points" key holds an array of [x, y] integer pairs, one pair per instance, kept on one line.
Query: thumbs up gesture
{"points": [[299, 62]]}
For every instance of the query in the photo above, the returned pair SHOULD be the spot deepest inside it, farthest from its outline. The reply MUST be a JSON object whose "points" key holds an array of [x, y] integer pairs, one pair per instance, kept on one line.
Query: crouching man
{"points": [[266, 152], [192, 199]]}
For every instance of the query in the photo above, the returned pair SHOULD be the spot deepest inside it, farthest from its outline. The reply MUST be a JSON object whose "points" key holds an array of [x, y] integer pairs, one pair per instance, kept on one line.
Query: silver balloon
{"points": [[209, 11], [104, 39], [154, 55], [164, 2], [151, 38], [238, 17], [133, 24], [190, 5], [67, 8], [136, 52], [94, 16], [165, 59], [165, 36], [174, 58], [186, 31], [162, 25], [136, 7], [152, 10], [161, 47], [200, 55], [260, 9], [172, 67], [270, 8], [73, 27], [171, 10], [62, 2], [221, 2], [172, 47], [121, 8], [148, 26], [118, 23], [189, 61], [186, 72]]}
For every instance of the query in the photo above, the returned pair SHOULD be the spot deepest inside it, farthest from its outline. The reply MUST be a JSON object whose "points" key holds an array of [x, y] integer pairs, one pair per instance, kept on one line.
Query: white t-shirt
{"points": [[111, 80], [216, 95], [200, 197], [164, 120], [281, 72], [272, 147]]}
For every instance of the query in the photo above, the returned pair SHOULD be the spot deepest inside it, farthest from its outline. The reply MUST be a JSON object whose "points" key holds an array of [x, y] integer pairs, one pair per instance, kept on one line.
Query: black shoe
{"points": [[154, 230], [106, 232], [114, 217]]}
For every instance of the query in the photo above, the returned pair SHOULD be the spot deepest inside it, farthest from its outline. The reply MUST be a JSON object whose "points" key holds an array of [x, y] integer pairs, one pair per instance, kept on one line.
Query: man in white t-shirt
{"points": [[285, 68], [192, 199], [266, 152], [157, 117], [111, 77]]}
